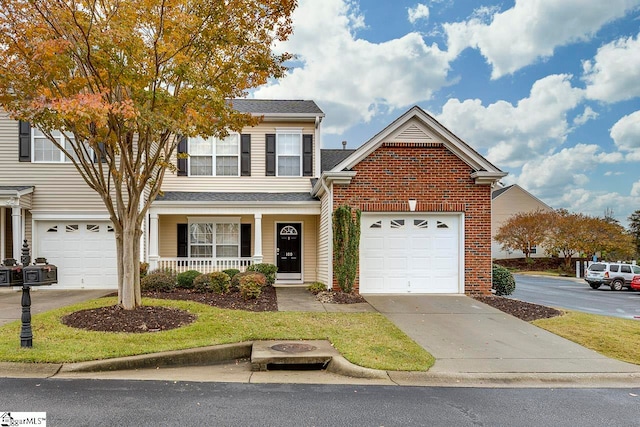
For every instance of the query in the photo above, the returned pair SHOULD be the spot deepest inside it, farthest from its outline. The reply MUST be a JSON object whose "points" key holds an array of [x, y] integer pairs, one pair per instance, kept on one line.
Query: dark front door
{"points": [[288, 251]]}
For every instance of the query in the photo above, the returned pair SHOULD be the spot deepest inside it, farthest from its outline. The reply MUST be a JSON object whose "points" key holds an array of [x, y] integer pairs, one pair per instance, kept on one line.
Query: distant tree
{"points": [[120, 79], [566, 234], [634, 229], [523, 231]]}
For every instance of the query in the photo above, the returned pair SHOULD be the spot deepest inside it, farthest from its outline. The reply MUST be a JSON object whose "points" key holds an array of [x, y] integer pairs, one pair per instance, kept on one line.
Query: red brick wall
{"points": [[441, 182]]}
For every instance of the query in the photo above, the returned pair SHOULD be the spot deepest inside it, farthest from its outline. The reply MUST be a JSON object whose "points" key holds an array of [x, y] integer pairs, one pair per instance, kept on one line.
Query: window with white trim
{"points": [[289, 153], [219, 239], [214, 156], [44, 151]]}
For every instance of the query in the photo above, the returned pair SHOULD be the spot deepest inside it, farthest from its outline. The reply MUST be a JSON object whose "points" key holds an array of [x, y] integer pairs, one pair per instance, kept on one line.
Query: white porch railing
{"points": [[204, 265]]}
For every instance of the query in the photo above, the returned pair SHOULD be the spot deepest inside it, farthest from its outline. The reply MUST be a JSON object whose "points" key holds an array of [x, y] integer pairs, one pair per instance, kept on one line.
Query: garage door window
{"points": [[421, 223]]}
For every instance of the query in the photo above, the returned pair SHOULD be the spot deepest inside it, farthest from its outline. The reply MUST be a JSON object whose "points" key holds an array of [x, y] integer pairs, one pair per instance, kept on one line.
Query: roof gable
{"points": [[417, 126], [513, 189]]}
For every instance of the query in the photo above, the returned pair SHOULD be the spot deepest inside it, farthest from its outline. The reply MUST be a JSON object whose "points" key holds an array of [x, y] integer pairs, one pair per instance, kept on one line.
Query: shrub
{"points": [[217, 282], [235, 280], [251, 285], [316, 287], [144, 268], [186, 278], [503, 281], [159, 281], [269, 271], [220, 282], [231, 272]]}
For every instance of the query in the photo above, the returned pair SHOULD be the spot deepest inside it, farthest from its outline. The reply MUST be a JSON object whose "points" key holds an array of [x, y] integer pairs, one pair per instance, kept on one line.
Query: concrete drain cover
{"points": [[293, 347]]}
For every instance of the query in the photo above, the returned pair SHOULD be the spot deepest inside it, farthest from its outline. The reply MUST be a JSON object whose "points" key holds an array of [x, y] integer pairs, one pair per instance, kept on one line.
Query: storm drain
{"points": [[291, 355]]}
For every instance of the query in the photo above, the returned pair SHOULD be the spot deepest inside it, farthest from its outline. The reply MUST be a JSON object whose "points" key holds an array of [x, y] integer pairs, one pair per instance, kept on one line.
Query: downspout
{"points": [[330, 242]]}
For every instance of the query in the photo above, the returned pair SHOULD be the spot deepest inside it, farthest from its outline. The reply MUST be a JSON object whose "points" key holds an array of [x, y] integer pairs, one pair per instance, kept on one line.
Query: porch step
{"points": [[293, 355]]}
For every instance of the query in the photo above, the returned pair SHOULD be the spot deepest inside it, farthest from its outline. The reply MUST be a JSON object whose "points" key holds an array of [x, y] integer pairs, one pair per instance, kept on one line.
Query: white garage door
{"points": [[410, 253], [83, 251]]}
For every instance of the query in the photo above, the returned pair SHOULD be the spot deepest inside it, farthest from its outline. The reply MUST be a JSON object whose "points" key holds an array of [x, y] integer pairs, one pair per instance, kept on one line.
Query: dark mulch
{"points": [[232, 300], [520, 309], [116, 319]]}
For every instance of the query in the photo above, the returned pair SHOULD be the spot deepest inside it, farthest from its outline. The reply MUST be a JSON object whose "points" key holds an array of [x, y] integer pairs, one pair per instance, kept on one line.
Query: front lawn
{"points": [[611, 336], [366, 339]]}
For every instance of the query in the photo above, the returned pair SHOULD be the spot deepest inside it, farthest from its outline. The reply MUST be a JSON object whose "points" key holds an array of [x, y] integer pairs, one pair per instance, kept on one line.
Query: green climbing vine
{"points": [[346, 246]]}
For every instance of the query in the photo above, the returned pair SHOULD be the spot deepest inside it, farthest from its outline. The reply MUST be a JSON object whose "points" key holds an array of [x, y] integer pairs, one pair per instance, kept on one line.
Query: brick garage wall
{"points": [[441, 182]]}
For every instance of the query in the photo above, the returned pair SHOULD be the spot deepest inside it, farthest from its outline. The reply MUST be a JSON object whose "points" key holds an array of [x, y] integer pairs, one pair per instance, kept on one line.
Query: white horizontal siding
{"points": [[258, 181], [58, 186]]}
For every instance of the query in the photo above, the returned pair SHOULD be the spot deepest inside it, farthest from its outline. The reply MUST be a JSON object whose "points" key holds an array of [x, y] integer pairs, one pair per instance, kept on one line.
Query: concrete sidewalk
{"points": [[474, 345]]}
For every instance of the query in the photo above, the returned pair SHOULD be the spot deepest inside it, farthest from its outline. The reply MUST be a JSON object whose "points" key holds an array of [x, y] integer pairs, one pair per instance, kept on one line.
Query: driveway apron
{"points": [[466, 336]]}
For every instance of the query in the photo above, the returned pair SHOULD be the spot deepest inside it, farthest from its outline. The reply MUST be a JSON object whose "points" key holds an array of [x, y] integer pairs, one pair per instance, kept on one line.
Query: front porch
{"points": [[209, 237]]}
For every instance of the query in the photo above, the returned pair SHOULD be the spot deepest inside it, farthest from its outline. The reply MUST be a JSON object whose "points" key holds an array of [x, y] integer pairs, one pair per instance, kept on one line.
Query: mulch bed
{"points": [[155, 319], [520, 309]]}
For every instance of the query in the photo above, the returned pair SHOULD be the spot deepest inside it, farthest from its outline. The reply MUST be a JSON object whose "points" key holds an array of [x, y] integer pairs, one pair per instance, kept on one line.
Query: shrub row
{"points": [[248, 283]]}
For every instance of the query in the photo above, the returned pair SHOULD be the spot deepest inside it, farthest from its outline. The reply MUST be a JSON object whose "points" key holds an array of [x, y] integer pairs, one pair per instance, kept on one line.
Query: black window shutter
{"points": [[182, 163], [245, 240], [24, 141], [183, 240], [245, 155], [307, 155], [101, 153], [271, 154]]}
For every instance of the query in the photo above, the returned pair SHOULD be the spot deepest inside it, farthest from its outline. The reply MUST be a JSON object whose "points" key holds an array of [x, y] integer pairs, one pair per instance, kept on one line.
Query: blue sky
{"points": [[548, 90]]}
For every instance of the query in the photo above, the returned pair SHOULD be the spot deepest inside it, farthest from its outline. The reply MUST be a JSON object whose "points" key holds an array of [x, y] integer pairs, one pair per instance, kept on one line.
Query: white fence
{"points": [[204, 265]]}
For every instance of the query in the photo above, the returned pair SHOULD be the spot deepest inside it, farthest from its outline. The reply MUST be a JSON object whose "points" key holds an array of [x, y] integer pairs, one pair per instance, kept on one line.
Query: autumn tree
{"points": [[634, 229], [120, 79], [523, 231], [566, 234]]}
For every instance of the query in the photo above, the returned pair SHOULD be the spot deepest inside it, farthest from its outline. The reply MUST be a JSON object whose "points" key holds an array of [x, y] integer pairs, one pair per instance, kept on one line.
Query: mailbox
{"points": [[40, 274], [10, 273]]}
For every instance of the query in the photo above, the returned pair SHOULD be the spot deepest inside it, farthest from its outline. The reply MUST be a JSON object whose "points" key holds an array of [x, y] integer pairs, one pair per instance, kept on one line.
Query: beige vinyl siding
{"points": [[514, 200], [58, 186], [258, 181], [324, 228]]}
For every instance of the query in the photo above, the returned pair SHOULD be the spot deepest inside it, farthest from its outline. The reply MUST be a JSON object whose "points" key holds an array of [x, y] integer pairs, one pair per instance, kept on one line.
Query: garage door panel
{"points": [[418, 254], [83, 251]]}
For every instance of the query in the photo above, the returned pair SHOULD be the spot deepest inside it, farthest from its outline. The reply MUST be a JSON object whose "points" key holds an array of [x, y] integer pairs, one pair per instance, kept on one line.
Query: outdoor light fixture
{"points": [[412, 204]]}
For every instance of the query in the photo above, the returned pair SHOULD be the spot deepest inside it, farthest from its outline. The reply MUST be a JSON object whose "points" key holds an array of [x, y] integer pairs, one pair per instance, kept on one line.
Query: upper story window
{"points": [[289, 153], [214, 156], [45, 151]]}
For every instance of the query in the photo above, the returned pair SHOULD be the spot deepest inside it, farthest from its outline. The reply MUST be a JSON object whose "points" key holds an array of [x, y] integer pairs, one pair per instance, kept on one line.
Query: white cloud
{"points": [[614, 74], [626, 135], [587, 114], [531, 30], [420, 11], [513, 135], [635, 189], [353, 79]]}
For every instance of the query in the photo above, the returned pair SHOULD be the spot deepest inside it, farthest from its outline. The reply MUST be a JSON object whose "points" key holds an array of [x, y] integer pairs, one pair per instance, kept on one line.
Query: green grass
{"points": [[366, 339], [611, 336]]}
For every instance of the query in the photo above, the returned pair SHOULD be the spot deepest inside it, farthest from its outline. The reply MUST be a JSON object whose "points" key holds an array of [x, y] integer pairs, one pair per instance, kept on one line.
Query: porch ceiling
{"points": [[187, 196]]}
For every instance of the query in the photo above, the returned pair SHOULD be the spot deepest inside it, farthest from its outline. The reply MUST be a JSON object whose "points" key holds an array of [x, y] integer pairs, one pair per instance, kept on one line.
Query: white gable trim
{"points": [[486, 171]]}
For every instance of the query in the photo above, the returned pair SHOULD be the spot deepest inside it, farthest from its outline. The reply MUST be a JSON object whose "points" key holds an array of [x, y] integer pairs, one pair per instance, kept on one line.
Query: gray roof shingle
{"points": [[499, 191], [276, 106], [329, 158], [188, 196]]}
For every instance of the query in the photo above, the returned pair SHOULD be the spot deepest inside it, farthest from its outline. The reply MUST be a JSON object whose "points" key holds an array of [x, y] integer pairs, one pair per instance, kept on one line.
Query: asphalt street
{"points": [[160, 403], [575, 294]]}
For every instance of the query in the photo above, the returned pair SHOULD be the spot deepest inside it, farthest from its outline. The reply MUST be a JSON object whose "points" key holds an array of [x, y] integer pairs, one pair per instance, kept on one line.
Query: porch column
{"points": [[16, 223], [257, 238], [153, 241], [3, 232]]}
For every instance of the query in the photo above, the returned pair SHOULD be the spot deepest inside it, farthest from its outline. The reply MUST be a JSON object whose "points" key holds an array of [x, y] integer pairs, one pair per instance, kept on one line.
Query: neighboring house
{"points": [[266, 195], [508, 201]]}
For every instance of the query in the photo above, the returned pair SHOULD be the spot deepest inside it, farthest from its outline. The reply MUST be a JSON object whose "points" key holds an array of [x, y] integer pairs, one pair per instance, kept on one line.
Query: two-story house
{"points": [[266, 194]]}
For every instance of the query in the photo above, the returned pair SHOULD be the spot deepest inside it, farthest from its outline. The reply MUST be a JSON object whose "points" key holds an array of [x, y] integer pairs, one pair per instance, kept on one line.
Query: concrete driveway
{"points": [[42, 300], [466, 336]]}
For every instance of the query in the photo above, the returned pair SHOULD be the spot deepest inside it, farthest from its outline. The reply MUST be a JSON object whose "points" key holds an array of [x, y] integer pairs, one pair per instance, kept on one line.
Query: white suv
{"points": [[615, 274]]}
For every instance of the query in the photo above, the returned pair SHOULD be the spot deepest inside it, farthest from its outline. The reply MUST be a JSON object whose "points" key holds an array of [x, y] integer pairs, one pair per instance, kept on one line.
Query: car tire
{"points": [[594, 285], [617, 285]]}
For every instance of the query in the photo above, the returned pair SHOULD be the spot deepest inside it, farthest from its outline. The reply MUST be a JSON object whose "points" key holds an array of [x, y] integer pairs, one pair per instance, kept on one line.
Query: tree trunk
{"points": [[129, 265]]}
